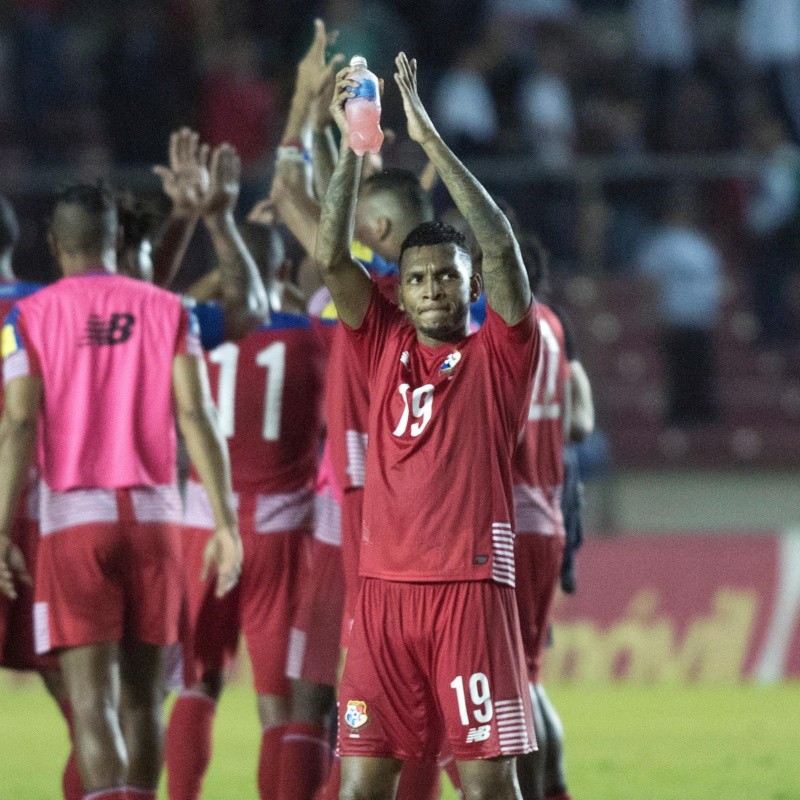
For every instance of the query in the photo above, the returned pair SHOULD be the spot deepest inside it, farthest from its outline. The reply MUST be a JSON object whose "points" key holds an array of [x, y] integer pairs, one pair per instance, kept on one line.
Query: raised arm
{"points": [[504, 276], [347, 281], [185, 182], [244, 296], [294, 208], [314, 79], [17, 440], [209, 454]]}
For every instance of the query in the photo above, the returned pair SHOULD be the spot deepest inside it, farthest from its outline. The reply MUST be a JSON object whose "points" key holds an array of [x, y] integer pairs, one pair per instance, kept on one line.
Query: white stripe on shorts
{"points": [[296, 654]]}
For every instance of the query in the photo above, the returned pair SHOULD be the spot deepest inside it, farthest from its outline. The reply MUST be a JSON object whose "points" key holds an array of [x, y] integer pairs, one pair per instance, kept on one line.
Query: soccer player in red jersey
{"points": [[17, 649], [435, 647], [539, 545], [103, 365], [268, 389]]}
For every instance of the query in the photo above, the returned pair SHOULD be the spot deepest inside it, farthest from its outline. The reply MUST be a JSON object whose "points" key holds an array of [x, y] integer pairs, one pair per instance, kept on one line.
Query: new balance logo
{"points": [[117, 330], [479, 734]]}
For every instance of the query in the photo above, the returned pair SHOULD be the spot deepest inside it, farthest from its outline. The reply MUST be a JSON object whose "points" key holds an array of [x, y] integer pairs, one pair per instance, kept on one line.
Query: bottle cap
{"points": [[358, 61]]}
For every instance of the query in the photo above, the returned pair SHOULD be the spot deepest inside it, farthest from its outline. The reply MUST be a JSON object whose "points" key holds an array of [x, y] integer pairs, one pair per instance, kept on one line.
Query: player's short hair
{"points": [[266, 245], [406, 191], [9, 226], [85, 219], [432, 233]]}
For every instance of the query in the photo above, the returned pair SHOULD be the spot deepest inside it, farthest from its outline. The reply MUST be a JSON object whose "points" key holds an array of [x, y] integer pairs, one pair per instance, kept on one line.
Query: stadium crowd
{"points": [[89, 84], [551, 78], [375, 498]]}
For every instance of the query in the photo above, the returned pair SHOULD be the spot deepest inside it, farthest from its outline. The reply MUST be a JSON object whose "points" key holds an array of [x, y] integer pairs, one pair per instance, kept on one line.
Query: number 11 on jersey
{"points": [[273, 359]]}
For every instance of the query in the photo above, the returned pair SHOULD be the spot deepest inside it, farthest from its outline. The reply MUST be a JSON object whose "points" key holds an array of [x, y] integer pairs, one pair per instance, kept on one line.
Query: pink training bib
{"points": [[103, 345]]}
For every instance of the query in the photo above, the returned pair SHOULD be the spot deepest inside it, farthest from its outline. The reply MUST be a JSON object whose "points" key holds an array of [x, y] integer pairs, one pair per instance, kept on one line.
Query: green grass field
{"points": [[624, 743]]}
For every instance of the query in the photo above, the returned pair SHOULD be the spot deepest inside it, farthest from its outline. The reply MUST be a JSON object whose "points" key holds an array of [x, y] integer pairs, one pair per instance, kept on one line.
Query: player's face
{"points": [[137, 262], [436, 288]]}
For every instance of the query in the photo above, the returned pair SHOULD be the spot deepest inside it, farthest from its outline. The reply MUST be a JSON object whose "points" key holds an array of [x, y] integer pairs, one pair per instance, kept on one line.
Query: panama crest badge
{"points": [[450, 363], [355, 714]]}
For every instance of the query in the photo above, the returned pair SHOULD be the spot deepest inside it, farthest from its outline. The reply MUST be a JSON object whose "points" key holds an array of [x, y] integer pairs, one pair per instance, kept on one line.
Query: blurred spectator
{"points": [[693, 124], [611, 118], [368, 28], [769, 34], [444, 29], [39, 39], [665, 51], [685, 268], [545, 100], [282, 45], [238, 105], [772, 217], [464, 107], [150, 79]]}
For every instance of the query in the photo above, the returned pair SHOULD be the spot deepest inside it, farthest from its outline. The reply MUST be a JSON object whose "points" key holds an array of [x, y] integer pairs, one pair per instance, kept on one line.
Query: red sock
{"points": [[305, 756], [71, 779], [269, 762], [451, 768], [330, 790], [187, 752], [419, 780]]}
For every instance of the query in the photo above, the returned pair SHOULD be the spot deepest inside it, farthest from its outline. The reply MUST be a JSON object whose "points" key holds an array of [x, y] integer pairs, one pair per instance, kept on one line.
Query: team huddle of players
{"points": [[392, 583]]}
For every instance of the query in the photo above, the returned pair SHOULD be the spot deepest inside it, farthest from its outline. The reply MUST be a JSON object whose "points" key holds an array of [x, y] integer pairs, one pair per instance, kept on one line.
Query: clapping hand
{"points": [[420, 127], [185, 181], [225, 170]]}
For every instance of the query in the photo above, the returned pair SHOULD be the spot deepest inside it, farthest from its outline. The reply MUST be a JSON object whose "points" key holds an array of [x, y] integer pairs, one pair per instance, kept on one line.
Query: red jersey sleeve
{"points": [[381, 321], [513, 354], [187, 342]]}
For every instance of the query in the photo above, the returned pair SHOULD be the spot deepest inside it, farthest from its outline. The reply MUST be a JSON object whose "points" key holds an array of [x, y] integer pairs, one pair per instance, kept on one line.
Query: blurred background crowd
{"points": [[652, 145]]}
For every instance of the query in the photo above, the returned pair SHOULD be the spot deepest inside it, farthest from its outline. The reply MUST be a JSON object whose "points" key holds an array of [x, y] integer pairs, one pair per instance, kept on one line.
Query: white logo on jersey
{"points": [[404, 357], [480, 734], [449, 364]]}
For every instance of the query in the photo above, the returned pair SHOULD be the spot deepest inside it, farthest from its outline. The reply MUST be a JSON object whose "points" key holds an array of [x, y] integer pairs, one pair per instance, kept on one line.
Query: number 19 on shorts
{"points": [[480, 699]]}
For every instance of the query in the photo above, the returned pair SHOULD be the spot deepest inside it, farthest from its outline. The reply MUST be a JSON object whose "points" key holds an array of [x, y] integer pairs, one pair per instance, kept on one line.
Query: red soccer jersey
{"points": [[539, 459], [347, 403], [268, 389], [443, 424]]}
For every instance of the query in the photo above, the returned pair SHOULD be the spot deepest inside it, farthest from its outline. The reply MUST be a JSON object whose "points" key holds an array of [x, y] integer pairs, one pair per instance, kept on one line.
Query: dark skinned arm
{"points": [[347, 281], [504, 277]]}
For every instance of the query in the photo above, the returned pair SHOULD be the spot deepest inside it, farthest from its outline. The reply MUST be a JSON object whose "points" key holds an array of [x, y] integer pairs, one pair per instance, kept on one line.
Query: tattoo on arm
{"points": [[504, 276], [338, 210], [346, 279]]}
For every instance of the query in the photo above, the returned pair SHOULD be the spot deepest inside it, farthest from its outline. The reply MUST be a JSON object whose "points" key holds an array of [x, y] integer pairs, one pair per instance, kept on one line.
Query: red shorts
{"points": [[108, 568], [16, 619], [262, 605], [538, 567], [314, 642], [352, 516], [428, 660]]}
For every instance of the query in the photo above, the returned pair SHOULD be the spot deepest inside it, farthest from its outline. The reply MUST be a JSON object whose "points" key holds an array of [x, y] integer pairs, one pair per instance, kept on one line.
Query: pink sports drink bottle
{"points": [[363, 111]]}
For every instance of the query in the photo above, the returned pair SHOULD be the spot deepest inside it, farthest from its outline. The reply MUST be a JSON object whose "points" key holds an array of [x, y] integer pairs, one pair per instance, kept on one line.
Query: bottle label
{"points": [[367, 88]]}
